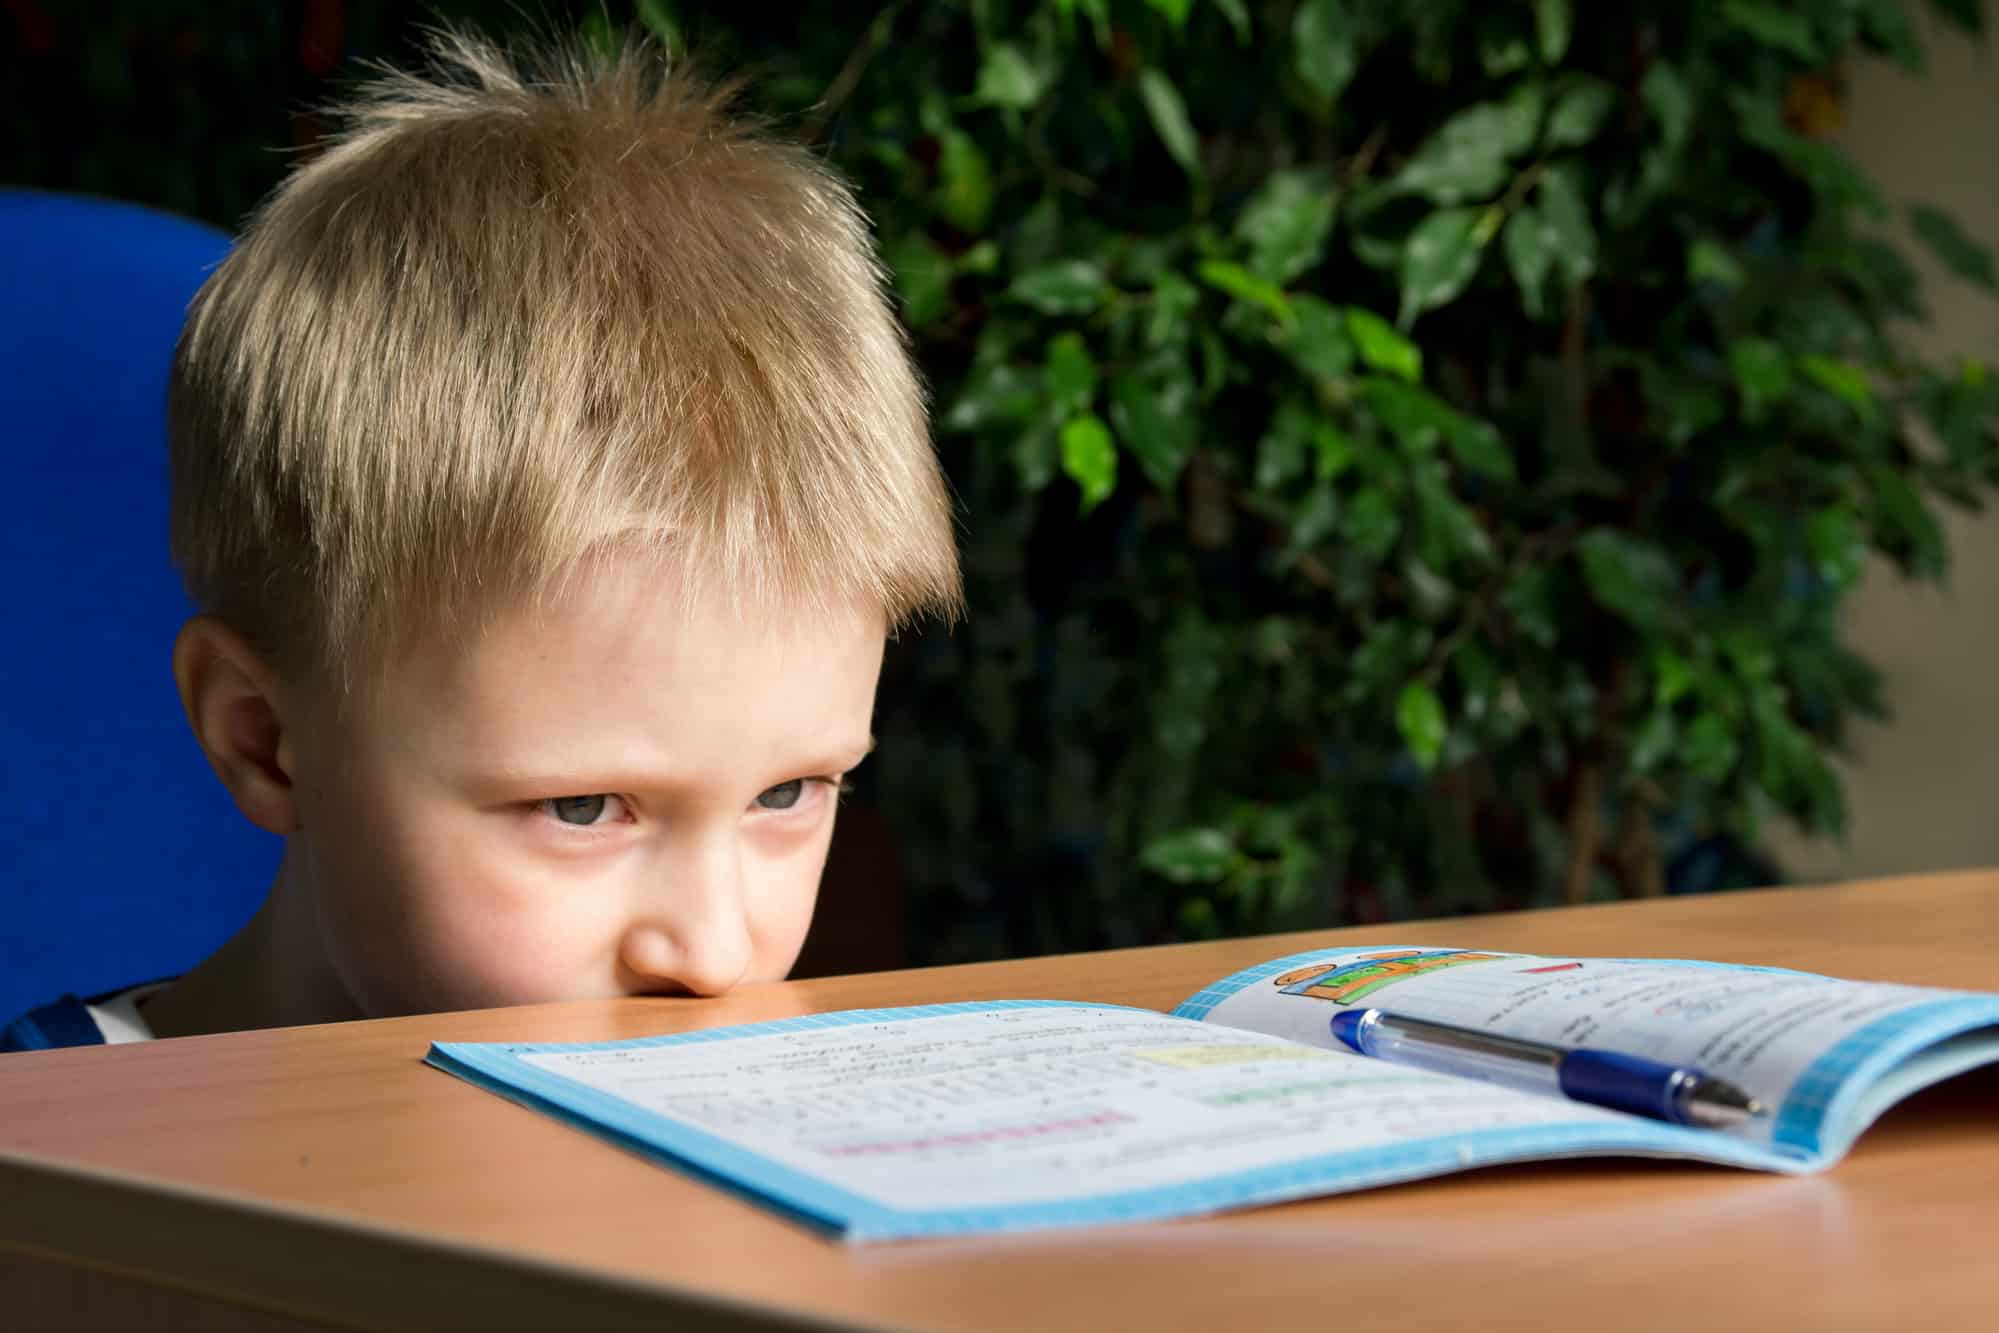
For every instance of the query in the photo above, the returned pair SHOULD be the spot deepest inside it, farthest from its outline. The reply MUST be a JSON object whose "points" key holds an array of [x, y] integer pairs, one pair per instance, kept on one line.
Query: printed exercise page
{"points": [[1004, 1106], [1757, 1028]]}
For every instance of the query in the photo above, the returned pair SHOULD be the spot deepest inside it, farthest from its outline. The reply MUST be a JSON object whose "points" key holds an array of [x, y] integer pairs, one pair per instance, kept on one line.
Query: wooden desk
{"points": [[316, 1177]]}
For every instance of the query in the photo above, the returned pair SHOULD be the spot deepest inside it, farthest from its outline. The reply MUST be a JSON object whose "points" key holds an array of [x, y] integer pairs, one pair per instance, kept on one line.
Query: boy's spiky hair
{"points": [[525, 308]]}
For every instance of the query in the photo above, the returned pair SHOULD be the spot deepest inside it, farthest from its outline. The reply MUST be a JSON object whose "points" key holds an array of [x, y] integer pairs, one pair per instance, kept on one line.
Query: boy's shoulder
{"points": [[70, 1021]]}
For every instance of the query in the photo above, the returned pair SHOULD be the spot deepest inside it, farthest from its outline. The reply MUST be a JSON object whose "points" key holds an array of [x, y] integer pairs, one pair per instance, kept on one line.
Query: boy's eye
{"points": [[579, 810], [783, 796]]}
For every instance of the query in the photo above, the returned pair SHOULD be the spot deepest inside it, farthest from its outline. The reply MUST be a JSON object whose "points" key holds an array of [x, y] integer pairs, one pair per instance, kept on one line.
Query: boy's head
{"points": [[550, 468]]}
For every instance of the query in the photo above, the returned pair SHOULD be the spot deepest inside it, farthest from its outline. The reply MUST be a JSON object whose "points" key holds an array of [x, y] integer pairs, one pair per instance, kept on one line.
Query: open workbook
{"points": [[956, 1118]]}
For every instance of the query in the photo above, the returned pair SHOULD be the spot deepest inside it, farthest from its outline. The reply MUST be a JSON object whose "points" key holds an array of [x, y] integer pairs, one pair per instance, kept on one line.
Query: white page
{"points": [[1756, 1028], [1009, 1106]]}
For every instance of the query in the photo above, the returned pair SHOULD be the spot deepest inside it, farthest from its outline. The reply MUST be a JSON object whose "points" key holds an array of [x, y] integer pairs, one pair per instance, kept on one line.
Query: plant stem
{"points": [[1639, 869], [843, 84], [1585, 831]]}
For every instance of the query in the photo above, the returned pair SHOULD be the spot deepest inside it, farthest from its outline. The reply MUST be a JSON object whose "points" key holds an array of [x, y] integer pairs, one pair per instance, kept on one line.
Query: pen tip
{"points": [[1346, 1027]]}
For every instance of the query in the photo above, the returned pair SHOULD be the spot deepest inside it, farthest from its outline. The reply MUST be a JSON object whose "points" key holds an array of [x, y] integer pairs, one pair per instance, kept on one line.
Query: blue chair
{"points": [[121, 858]]}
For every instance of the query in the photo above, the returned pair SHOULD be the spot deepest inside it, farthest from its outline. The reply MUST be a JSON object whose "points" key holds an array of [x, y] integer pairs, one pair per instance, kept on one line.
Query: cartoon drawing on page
{"points": [[1356, 978]]}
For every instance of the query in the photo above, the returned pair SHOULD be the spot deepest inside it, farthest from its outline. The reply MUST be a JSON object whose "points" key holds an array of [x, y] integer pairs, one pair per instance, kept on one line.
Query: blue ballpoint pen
{"points": [[1630, 1083]]}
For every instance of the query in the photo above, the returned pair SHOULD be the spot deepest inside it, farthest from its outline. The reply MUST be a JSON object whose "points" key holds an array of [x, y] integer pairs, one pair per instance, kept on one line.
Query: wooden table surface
{"points": [[323, 1177]]}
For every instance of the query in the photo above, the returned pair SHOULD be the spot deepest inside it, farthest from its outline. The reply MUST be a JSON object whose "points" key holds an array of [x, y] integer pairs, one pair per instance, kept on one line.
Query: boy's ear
{"points": [[232, 701]]}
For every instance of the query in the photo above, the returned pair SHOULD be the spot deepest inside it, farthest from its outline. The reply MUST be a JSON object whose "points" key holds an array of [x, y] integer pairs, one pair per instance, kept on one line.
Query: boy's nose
{"points": [[693, 933]]}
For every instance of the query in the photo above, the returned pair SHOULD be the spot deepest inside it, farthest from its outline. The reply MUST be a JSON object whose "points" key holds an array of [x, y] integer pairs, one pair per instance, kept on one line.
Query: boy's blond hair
{"points": [[520, 311]]}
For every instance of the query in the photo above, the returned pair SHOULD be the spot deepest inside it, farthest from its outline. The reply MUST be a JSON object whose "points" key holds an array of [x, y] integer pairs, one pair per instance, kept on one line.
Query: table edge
{"points": [[250, 1252]]}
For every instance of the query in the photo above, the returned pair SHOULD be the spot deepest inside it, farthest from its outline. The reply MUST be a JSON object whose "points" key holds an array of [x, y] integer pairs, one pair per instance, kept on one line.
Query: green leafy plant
{"points": [[1412, 455]]}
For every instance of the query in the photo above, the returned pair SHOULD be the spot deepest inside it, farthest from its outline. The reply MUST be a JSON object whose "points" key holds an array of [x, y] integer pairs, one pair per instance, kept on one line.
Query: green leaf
{"points": [[599, 34], [1317, 341], [1830, 173], [1215, 362], [1529, 245], [1567, 218], [1197, 920], [1630, 577], [656, 17], [1780, 29], [1762, 374], [1904, 526], [965, 194], [1069, 375], [1155, 421], [1240, 283], [922, 275], [1789, 767], [1579, 113], [1065, 287], [1710, 749], [1450, 532], [1191, 856], [1311, 521], [1709, 261], [1479, 682], [1968, 15], [1957, 408], [1415, 416], [1655, 741], [1038, 235], [1322, 46], [1006, 78], [1478, 446], [1530, 600], [1838, 547], [1332, 451], [992, 394], [1237, 13], [1673, 676], [1502, 50], [1388, 653], [1371, 523], [1666, 96], [1089, 457], [1282, 454], [1419, 716], [1034, 453], [1173, 300], [1173, 11], [1285, 224], [981, 258], [1939, 232], [1468, 157], [1169, 117], [1381, 347], [1554, 21], [1886, 26], [1441, 258], [1097, 11], [1846, 382], [1430, 596]]}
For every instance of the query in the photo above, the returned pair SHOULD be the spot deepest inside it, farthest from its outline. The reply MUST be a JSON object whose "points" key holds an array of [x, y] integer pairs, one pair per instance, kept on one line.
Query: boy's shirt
{"points": [[100, 1020]]}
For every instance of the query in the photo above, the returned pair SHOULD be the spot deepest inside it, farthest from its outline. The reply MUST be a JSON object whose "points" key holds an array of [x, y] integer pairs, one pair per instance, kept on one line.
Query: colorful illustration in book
{"points": [[1355, 978]]}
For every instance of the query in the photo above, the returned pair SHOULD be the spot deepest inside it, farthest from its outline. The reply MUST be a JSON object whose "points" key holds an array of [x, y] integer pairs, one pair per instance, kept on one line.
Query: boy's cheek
{"points": [[462, 933], [446, 913], [459, 959], [786, 925]]}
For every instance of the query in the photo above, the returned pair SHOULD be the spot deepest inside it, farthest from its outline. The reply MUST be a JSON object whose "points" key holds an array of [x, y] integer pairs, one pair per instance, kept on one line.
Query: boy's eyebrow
{"points": [[840, 760], [621, 777]]}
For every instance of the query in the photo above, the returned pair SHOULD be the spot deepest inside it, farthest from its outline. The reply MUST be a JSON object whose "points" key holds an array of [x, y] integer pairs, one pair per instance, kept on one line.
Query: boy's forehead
{"points": [[618, 661], [614, 606]]}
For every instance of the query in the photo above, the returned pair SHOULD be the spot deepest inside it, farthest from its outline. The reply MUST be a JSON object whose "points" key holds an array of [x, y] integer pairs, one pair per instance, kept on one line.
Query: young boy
{"points": [[550, 471]]}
